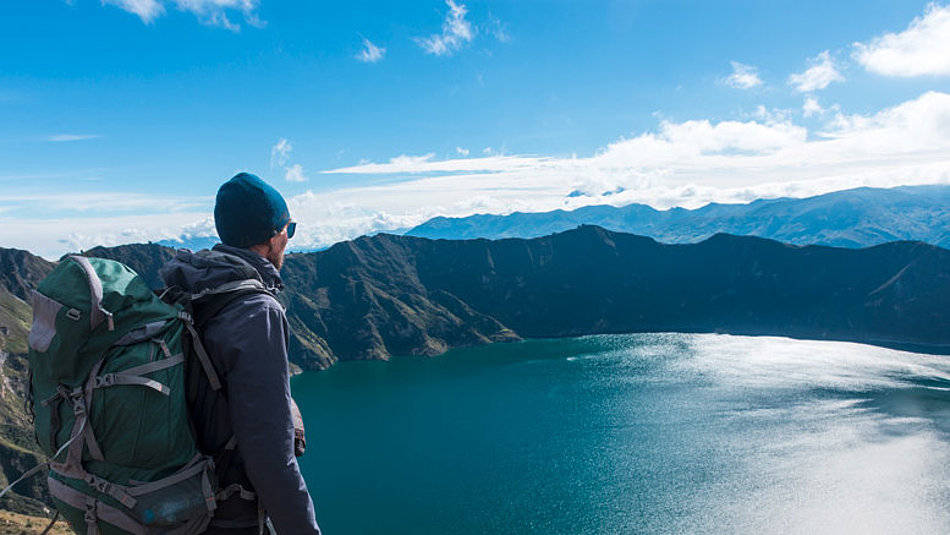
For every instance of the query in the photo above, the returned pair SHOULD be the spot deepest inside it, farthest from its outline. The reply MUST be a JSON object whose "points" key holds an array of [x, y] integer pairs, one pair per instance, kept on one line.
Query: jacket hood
{"points": [[207, 269]]}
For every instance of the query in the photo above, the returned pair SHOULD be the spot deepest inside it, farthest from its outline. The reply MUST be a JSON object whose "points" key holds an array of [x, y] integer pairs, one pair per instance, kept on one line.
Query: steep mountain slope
{"points": [[364, 299], [591, 280], [20, 271]]}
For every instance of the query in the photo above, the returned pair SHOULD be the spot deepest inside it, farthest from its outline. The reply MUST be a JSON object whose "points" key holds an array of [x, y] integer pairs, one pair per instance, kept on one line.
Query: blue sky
{"points": [[119, 118]]}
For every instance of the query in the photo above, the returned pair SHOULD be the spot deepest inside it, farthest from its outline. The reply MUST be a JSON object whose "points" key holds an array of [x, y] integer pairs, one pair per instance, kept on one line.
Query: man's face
{"points": [[277, 245]]}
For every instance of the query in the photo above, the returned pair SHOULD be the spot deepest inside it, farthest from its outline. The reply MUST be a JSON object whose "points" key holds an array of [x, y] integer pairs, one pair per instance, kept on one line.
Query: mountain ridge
{"points": [[853, 218]]}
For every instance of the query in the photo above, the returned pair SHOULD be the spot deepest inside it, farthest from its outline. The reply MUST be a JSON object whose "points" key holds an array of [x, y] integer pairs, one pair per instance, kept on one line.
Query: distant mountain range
{"points": [[193, 243], [853, 218], [386, 295]]}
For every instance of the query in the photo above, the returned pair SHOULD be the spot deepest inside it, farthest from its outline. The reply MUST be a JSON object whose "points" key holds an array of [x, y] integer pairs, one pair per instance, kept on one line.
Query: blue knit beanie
{"points": [[248, 211]]}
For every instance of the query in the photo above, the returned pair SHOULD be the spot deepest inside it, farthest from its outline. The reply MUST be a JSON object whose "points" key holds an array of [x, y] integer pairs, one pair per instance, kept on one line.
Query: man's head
{"points": [[250, 214]]}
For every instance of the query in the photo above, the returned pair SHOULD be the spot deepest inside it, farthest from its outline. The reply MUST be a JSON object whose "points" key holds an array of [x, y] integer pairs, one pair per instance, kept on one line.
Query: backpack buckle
{"points": [[98, 483], [105, 380], [91, 517], [74, 396]]}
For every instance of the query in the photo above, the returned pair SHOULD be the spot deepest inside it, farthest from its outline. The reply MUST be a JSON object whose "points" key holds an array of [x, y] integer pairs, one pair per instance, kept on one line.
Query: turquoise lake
{"points": [[646, 433]]}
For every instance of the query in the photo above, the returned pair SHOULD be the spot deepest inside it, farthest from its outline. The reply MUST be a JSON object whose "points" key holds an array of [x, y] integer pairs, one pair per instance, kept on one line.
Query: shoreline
{"points": [[936, 350]]}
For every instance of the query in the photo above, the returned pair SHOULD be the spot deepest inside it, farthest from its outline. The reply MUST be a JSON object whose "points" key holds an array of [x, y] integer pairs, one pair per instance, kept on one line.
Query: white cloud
{"points": [[407, 163], [743, 76], [922, 49], [461, 151], [146, 10], [456, 32], [819, 76], [774, 115], [71, 137], [916, 127], [280, 156], [812, 107], [211, 12], [200, 229], [370, 53], [280, 153], [52, 238], [294, 173]]}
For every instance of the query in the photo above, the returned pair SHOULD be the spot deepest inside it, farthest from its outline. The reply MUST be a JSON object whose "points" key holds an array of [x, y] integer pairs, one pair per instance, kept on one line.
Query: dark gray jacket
{"points": [[247, 341]]}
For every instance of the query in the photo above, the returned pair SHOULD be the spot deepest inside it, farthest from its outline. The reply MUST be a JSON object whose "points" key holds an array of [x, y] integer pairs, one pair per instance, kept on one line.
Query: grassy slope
{"points": [[16, 524]]}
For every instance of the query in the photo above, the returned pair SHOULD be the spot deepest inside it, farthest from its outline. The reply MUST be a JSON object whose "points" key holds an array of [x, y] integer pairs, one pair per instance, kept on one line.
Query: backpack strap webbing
{"points": [[203, 309], [201, 354], [210, 306], [95, 510]]}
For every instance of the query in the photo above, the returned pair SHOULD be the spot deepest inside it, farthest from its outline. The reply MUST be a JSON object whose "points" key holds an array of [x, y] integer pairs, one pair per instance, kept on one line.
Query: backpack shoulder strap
{"points": [[214, 302], [229, 288]]}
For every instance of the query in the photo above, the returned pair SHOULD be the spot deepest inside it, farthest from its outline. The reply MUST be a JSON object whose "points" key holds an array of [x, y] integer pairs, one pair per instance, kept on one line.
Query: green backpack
{"points": [[107, 358]]}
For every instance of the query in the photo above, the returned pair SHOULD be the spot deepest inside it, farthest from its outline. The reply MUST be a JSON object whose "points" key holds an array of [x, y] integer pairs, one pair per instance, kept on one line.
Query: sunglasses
{"points": [[291, 228]]}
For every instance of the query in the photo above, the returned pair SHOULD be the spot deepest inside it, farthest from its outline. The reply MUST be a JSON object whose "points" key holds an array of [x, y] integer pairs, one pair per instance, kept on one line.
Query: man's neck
{"points": [[262, 250]]}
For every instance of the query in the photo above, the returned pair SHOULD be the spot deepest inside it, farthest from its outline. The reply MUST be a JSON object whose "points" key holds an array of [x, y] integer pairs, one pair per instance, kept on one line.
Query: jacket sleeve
{"points": [[258, 386]]}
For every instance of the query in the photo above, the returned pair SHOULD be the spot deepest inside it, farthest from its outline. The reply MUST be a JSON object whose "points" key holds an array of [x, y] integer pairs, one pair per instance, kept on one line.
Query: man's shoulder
{"points": [[252, 324], [245, 309], [253, 303]]}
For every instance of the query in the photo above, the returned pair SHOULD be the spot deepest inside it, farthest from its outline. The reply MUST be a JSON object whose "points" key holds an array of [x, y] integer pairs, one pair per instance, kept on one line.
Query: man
{"points": [[247, 340]]}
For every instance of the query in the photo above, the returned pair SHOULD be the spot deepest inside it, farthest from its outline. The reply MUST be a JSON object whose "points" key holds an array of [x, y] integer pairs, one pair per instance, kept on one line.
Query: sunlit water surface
{"points": [[650, 433]]}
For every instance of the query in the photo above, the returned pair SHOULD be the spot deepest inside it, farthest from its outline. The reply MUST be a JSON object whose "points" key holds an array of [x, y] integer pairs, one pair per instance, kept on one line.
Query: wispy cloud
{"points": [[820, 75], [456, 32], [399, 164], [280, 153], [71, 137], [743, 76], [370, 53], [462, 152], [499, 29], [99, 203], [922, 49], [294, 173], [211, 12], [147, 10]]}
